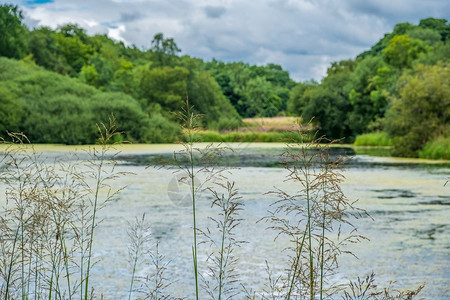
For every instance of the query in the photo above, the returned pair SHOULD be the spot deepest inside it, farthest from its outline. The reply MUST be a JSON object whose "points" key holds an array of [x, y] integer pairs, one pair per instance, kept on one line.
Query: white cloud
{"points": [[304, 36]]}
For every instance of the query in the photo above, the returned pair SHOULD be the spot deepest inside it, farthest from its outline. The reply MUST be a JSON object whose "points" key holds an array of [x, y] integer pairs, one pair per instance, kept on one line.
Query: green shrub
{"points": [[246, 137], [373, 139], [161, 130], [51, 108], [438, 148]]}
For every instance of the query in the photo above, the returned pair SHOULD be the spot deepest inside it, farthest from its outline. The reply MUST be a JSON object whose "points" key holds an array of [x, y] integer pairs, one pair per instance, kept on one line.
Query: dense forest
{"points": [[55, 85]]}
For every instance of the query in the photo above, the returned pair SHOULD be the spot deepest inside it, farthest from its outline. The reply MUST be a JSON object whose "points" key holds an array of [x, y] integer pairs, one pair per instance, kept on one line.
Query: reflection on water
{"points": [[409, 236]]}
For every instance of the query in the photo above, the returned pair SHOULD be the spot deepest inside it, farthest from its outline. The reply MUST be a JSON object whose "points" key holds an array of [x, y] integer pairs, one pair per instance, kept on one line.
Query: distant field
{"points": [[270, 124]]}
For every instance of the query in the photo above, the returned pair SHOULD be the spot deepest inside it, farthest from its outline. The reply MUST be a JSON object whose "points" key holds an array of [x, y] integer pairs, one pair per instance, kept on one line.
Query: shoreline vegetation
{"points": [[52, 211], [275, 132], [56, 83]]}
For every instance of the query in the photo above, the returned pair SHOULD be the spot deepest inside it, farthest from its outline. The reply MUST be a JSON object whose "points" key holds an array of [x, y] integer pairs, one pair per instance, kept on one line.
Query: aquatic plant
{"points": [[193, 163], [50, 216], [312, 219]]}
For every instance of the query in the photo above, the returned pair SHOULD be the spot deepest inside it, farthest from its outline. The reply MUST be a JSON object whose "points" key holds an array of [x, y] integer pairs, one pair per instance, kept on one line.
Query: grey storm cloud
{"points": [[130, 17], [214, 12], [303, 36]]}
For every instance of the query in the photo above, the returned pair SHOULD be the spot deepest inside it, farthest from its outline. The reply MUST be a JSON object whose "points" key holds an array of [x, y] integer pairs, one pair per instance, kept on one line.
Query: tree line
{"points": [[400, 86]]}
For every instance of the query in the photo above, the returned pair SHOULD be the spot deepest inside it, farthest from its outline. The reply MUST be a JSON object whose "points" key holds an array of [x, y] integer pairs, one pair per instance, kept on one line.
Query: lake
{"points": [[409, 232]]}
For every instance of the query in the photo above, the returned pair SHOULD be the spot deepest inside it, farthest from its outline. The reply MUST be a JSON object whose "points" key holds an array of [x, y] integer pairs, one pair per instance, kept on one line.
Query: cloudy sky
{"points": [[303, 36]]}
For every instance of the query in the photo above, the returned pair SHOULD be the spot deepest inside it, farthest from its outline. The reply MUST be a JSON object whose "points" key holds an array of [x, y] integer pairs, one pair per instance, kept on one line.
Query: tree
{"points": [[328, 104], [89, 75], [75, 47], [367, 94], [166, 50], [422, 109], [11, 111], [13, 34], [429, 36], [440, 25], [206, 96], [261, 98], [46, 50], [403, 50], [165, 86]]}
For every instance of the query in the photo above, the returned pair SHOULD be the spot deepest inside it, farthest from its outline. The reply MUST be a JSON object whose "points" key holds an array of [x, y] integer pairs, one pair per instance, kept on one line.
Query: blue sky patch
{"points": [[34, 2]]}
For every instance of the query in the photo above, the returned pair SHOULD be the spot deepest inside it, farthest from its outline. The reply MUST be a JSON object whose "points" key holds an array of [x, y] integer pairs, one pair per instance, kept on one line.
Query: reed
{"points": [[49, 219], [193, 163], [311, 219]]}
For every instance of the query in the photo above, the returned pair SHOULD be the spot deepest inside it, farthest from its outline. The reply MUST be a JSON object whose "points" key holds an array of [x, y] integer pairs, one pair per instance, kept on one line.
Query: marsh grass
{"points": [[193, 163], [312, 219], [143, 250], [49, 218], [209, 136], [223, 279]]}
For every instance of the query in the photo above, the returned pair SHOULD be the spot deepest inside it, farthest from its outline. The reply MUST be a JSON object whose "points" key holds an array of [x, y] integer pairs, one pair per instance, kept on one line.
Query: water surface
{"points": [[409, 233]]}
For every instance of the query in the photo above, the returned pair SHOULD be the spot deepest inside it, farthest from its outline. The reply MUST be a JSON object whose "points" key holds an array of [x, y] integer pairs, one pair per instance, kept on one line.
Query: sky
{"points": [[303, 36]]}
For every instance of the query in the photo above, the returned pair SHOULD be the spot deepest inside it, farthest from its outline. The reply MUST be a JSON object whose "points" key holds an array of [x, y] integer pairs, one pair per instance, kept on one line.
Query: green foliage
{"points": [[89, 75], [161, 130], [253, 90], [296, 101], [13, 34], [207, 98], [52, 108], [367, 99], [373, 139], [352, 99], [327, 104], [402, 51], [74, 48], [439, 25], [421, 110], [165, 50], [262, 101], [11, 110], [428, 35], [438, 148], [166, 86], [129, 117]]}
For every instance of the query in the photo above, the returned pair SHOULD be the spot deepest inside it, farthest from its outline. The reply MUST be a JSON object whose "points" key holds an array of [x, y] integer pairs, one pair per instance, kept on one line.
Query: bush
{"points": [[51, 108], [438, 148], [161, 130], [373, 139]]}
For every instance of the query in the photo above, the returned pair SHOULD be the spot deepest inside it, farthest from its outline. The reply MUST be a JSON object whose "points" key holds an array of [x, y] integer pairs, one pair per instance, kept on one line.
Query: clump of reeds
{"points": [[312, 219], [144, 250], [37, 224], [49, 218], [318, 221], [365, 289], [193, 163], [222, 281]]}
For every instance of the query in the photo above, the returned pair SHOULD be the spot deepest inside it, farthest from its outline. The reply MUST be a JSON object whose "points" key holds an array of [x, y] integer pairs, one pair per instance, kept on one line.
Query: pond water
{"points": [[409, 232]]}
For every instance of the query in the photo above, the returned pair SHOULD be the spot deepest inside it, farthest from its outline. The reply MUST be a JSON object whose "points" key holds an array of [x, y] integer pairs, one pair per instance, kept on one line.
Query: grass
{"points": [[271, 124], [50, 217], [373, 139], [244, 136], [438, 148], [52, 210], [262, 130]]}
